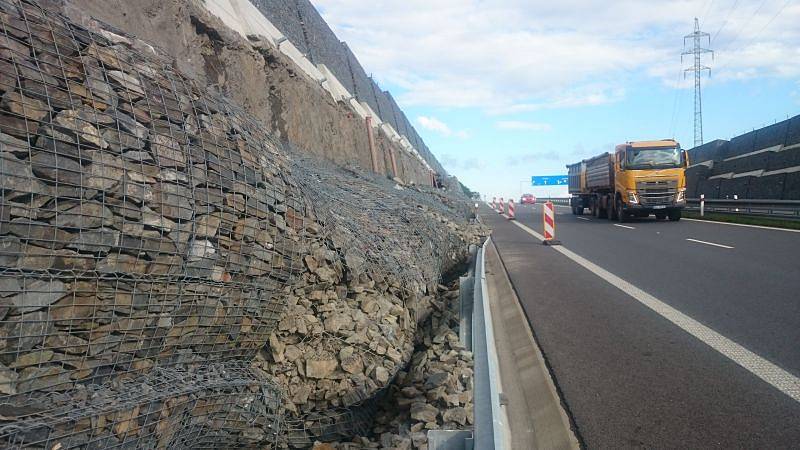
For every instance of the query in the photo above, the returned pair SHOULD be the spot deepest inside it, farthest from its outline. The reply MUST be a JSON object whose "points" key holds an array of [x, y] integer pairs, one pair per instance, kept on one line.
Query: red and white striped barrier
{"points": [[502, 207], [494, 203], [511, 210], [550, 224]]}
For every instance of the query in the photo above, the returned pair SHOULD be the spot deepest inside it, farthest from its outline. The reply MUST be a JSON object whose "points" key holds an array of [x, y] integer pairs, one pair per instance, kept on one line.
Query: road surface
{"points": [[714, 364]]}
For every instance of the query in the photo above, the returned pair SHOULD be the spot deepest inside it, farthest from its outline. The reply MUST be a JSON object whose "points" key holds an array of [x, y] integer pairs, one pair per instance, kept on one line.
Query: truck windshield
{"points": [[648, 158]]}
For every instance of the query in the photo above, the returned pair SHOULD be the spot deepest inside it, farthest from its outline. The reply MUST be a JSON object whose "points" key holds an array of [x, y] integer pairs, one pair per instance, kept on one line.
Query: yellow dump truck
{"points": [[638, 179]]}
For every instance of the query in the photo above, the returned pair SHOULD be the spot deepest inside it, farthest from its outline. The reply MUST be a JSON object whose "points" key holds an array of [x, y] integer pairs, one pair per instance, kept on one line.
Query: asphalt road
{"points": [[628, 376]]}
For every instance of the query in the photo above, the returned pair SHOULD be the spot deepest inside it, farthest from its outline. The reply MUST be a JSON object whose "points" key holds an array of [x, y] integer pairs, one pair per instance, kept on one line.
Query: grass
{"points": [[745, 219]]}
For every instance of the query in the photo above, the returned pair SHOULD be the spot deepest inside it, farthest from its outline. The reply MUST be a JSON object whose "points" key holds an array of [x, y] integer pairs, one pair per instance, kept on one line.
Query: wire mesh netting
{"points": [[172, 277], [143, 234]]}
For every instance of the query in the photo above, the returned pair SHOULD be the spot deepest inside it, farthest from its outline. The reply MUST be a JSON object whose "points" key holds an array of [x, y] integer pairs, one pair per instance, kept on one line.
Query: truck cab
{"points": [[649, 178], [638, 179]]}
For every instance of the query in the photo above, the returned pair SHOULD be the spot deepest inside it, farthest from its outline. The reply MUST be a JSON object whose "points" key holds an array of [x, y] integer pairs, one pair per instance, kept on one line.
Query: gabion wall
{"points": [[172, 277], [147, 231]]}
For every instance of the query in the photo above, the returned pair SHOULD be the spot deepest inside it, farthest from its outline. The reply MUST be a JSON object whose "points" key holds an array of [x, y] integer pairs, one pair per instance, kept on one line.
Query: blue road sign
{"points": [[549, 180]]}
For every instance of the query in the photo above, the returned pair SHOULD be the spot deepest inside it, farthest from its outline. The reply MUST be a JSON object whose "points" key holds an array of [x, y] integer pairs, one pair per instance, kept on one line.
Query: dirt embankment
{"points": [[251, 73]]}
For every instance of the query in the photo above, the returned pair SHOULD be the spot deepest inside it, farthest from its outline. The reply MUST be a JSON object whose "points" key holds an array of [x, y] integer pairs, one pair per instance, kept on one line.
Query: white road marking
{"points": [[744, 225], [624, 226], [753, 363], [583, 218], [708, 243]]}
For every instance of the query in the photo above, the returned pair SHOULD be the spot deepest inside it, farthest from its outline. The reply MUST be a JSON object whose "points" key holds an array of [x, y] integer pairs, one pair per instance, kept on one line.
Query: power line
{"points": [[697, 51], [757, 34], [746, 23], [675, 104], [725, 22], [708, 9]]}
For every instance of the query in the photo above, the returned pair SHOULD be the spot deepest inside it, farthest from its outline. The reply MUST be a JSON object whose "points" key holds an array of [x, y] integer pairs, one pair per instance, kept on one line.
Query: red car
{"points": [[527, 198]]}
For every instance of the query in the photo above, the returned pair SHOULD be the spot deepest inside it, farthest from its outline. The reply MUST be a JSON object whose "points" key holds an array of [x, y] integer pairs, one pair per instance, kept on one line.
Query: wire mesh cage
{"points": [[147, 229]]}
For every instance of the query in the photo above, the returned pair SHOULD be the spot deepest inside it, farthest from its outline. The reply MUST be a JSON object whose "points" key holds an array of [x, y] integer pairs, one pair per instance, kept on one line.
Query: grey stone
{"points": [[57, 168], [38, 294], [85, 215], [99, 240], [167, 151], [127, 81], [457, 415], [320, 368], [436, 379], [424, 412], [10, 251]]}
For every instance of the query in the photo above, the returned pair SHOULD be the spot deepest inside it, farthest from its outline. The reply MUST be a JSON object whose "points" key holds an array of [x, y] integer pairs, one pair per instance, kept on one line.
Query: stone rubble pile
{"points": [[434, 392]]}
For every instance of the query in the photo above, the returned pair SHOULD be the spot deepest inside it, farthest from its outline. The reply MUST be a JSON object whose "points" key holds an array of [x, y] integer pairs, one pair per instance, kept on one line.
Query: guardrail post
{"points": [[702, 204]]}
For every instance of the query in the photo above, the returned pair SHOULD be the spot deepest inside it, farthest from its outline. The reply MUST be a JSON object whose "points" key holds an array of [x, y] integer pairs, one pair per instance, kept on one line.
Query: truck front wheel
{"points": [[622, 216], [675, 215]]}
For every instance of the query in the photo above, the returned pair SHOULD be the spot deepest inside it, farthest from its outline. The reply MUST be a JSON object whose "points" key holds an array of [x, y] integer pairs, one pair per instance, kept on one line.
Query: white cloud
{"points": [[508, 56], [522, 125], [434, 124]]}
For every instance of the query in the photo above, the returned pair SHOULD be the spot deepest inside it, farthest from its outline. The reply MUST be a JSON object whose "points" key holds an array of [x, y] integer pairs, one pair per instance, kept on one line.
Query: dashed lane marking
{"points": [[624, 226], [744, 225], [778, 378], [708, 243]]}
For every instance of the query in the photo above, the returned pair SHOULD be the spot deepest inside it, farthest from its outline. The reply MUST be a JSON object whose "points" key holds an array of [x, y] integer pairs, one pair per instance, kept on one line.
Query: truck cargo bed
{"points": [[600, 172]]}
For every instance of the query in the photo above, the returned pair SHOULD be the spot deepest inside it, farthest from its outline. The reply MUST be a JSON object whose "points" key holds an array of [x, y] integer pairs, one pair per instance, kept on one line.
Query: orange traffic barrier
{"points": [[550, 225]]}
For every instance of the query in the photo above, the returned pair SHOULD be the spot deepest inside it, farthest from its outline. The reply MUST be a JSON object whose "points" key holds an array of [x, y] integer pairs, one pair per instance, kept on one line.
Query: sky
{"points": [[504, 90]]}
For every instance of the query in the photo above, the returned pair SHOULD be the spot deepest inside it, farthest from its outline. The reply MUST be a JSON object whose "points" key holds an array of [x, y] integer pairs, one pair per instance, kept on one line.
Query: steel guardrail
{"points": [[490, 428], [786, 209]]}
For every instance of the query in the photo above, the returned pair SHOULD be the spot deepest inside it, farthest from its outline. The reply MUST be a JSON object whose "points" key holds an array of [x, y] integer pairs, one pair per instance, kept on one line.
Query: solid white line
{"points": [[708, 243], [583, 218], [758, 366], [744, 225], [624, 226]]}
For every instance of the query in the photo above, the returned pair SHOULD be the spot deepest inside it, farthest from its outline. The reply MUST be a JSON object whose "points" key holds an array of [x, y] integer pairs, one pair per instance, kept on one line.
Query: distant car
{"points": [[527, 198]]}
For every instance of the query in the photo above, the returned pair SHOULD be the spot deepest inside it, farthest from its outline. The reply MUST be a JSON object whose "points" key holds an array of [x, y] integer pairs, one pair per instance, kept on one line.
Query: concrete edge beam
{"points": [[537, 418]]}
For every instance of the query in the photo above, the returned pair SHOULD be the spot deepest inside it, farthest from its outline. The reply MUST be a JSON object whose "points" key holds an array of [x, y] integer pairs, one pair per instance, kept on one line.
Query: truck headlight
{"points": [[681, 195], [632, 198]]}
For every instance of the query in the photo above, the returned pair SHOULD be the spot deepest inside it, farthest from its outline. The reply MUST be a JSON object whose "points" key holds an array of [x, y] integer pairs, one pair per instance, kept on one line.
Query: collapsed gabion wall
{"points": [[389, 245], [170, 278]]}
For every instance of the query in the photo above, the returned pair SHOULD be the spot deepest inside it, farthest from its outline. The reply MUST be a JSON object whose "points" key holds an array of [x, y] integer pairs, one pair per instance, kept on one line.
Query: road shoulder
{"points": [[536, 417]]}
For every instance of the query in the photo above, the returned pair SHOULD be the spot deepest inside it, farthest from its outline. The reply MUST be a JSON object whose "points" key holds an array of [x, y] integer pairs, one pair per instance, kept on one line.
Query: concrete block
{"points": [[771, 135], [450, 440], [768, 187], [793, 131], [735, 186]]}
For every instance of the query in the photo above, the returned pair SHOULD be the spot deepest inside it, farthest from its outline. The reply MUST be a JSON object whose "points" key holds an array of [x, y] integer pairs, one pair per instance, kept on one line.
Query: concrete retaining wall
{"points": [[761, 164]]}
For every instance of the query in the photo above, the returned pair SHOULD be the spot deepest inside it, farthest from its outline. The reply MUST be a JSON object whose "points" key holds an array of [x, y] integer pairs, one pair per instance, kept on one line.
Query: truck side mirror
{"points": [[685, 159]]}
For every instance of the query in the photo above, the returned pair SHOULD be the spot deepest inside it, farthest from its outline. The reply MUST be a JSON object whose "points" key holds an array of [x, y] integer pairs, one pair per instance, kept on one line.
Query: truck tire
{"points": [[579, 210], [622, 216], [602, 213], [612, 210], [675, 215]]}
